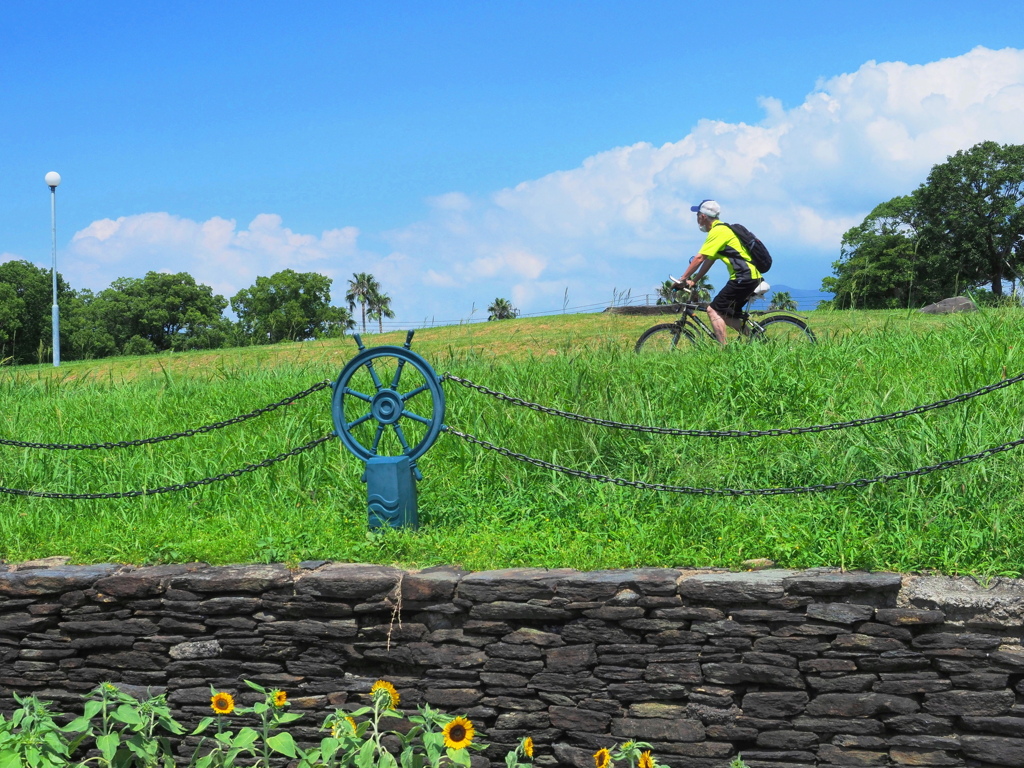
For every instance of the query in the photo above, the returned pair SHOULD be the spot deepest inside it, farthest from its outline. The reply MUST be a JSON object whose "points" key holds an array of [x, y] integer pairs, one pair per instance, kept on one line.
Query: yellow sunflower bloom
{"points": [[352, 722], [222, 703], [458, 733], [646, 761], [602, 758], [384, 685], [280, 698], [528, 747]]}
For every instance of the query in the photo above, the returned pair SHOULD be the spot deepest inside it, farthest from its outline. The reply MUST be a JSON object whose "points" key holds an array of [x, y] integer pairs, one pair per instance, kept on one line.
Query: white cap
{"points": [[708, 208]]}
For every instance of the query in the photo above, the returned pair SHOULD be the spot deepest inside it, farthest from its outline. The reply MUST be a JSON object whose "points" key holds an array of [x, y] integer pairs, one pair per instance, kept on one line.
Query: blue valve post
{"points": [[384, 398], [391, 492]]}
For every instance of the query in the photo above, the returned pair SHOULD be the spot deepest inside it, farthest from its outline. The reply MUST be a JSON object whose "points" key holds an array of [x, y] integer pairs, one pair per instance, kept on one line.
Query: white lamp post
{"points": [[52, 180]]}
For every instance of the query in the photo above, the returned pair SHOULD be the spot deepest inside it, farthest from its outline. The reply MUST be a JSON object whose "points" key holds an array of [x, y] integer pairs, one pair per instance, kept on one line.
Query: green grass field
{"points": [[480, 510]]}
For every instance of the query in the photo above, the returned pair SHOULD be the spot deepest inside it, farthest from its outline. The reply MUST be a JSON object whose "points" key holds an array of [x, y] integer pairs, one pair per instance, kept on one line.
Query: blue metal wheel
{"points": [[388, 402]]}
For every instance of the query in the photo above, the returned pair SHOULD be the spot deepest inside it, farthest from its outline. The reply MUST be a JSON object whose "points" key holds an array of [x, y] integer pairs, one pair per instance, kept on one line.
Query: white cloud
{"points": [[215, 252], [799, 177]]}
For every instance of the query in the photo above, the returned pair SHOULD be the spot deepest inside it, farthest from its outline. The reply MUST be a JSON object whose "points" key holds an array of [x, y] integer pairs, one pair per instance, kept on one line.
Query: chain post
{"points": [[390, 480]]}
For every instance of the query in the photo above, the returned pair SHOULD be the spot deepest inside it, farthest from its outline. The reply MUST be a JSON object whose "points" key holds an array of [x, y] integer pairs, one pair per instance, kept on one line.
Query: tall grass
{"points": [[481, 510]]}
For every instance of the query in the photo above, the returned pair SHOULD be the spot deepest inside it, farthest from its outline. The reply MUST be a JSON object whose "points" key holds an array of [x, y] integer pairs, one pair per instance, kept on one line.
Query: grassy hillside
{"points": [[482, 510]]}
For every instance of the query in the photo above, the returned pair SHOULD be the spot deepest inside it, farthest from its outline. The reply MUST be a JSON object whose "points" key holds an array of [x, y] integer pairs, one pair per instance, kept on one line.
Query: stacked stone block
{"points": [[786, 668]]}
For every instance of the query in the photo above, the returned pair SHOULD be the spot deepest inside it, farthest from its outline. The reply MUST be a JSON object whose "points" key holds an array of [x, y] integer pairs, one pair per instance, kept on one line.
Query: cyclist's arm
{"points": [[699, 266]]}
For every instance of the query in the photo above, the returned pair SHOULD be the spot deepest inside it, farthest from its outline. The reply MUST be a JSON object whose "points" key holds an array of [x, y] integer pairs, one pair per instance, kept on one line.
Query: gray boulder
{"points": [[951, 305]]}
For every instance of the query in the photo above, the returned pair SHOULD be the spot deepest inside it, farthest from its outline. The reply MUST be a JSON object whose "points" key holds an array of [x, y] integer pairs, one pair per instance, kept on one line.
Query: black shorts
{"points": [[730, 300]]}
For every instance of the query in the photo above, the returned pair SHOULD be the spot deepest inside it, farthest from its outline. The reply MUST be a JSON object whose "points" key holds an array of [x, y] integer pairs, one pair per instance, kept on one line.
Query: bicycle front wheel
{"points": [[785, 331], [667, 337]]}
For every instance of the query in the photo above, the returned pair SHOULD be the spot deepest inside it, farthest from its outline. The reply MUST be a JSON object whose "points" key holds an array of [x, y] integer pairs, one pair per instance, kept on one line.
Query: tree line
{"points": [[172, 312], [961, 230]]}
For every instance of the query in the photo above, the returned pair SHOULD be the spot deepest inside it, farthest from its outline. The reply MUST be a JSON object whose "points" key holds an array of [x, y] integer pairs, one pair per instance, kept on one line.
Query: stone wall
{"points": [[787, 668]]}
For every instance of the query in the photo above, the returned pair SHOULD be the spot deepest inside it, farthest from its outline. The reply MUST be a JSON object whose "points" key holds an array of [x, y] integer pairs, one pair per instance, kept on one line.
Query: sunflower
{"points": [[222, 703], [384, 685], [528, 747], [646, 761], [338, 730], [279, 698], [458, 734], [602, 758]]}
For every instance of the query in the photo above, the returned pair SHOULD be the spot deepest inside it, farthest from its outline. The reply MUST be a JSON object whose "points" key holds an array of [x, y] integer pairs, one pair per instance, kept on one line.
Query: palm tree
{"points": [[361, 287], [704, 289], [669, 295], [502, 309], [378, 306], [782, 301]]}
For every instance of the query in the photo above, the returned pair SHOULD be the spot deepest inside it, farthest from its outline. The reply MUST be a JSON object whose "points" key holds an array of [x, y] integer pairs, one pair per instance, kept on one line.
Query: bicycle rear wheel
{"points": [[666, 337], [785, 330]]}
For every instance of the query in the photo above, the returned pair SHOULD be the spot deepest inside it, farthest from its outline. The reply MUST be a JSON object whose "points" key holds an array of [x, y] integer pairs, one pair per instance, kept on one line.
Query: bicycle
{"points": [[774, 327]]}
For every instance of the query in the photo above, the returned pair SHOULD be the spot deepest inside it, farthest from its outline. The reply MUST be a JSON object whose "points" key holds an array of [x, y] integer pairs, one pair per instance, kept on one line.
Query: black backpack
{"points": [[757, 250]]}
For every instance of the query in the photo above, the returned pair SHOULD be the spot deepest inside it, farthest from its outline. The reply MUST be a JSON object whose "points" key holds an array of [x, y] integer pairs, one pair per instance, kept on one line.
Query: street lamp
{"points": [[52, 180]]}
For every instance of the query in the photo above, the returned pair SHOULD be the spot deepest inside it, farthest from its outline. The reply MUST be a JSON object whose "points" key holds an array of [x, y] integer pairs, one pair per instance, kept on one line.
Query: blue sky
{"points": [[545, 152]]}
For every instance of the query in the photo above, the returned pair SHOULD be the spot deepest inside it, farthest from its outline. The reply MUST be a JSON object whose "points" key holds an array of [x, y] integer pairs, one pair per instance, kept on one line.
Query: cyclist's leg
{"points": [[720, 322], [726, 309]]}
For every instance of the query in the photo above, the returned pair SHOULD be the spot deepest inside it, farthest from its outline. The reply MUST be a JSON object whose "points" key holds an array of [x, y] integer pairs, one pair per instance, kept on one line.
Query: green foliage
{"points": [[502, 309], [379, 307], [362, 289], [31, 738], [972, 204], [137, 345], [635, 754], [125, 732], [26, 301], [782, 301], [669, 295], [12, 307], [170, 311], [288, 305], [962, 228]]}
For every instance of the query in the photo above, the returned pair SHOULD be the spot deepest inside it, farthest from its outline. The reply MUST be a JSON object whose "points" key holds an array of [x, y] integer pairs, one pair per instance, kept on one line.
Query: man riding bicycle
{"points": [[721, 243]]}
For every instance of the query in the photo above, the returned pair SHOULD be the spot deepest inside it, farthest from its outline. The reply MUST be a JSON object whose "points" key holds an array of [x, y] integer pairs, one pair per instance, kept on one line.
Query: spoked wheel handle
{"points": [[416, 408]]}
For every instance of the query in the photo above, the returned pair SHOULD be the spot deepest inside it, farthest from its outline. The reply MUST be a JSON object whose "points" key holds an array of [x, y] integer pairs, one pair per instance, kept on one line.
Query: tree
{"points": [[378, 307], [12, 307], [29, 298], [502, 309], [669, 295], [783, 302], [171, 311], [962, 228], [288, 305], [88, 334], [361, 288], [972, 204], [878, 258]]}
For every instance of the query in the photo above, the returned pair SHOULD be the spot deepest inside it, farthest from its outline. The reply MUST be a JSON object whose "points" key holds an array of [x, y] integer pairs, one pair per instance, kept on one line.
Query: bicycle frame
{"points": [[689, 318]]}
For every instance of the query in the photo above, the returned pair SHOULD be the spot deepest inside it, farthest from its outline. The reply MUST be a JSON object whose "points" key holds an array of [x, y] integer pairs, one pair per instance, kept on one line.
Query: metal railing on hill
{"points": [[805, 301], [387, 405]]}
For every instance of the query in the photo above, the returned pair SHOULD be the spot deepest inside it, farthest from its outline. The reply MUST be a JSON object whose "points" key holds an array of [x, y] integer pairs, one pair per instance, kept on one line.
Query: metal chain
{"points": [[734, 491], [734, 432], [169, 488], [175, 435]]}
